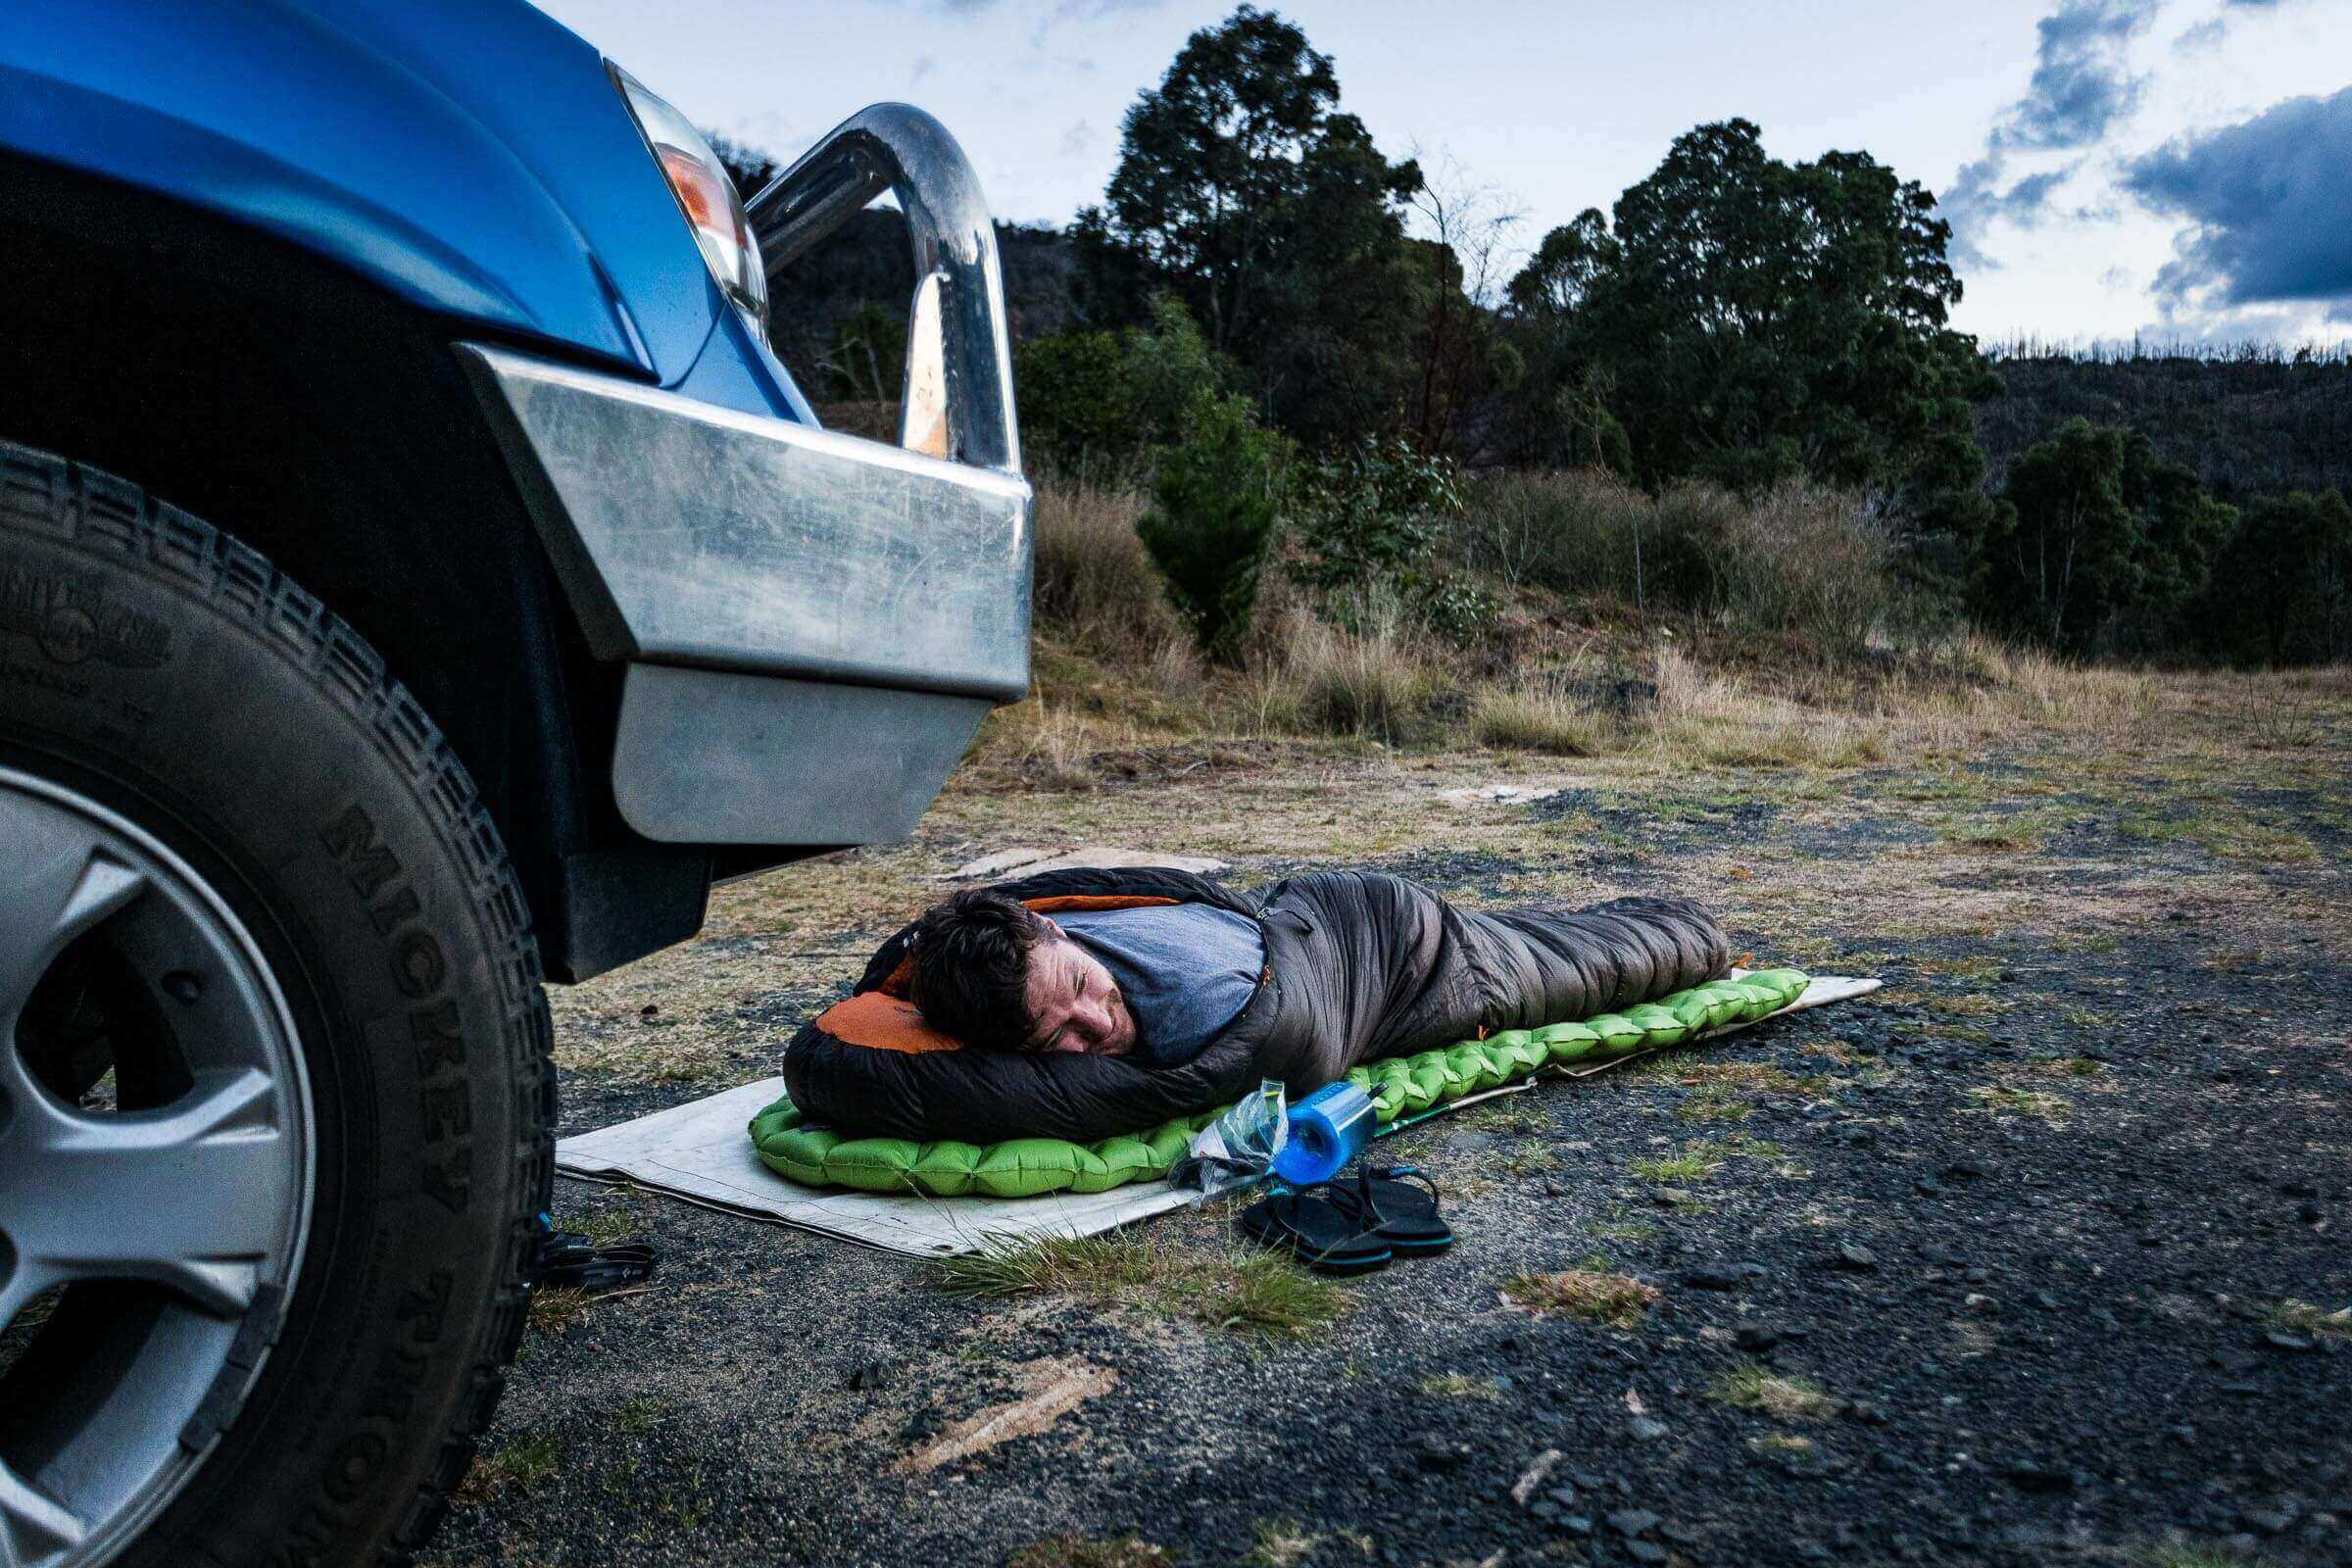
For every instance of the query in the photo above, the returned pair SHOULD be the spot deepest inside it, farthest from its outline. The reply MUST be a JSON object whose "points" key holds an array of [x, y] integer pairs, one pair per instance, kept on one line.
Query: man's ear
{"points": [[1054, 926]]}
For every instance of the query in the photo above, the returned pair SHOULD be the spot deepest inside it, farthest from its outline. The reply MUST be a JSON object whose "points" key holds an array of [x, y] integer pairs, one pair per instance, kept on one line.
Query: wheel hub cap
{"points": [[148, 1217]]}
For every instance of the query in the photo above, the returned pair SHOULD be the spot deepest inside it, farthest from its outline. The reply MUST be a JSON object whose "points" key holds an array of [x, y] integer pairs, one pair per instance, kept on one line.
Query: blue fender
{"points": [[469, 156]]}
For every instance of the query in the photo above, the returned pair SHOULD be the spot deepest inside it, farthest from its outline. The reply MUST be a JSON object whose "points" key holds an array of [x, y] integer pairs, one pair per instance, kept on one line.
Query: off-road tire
{"points": [[169, 671]]}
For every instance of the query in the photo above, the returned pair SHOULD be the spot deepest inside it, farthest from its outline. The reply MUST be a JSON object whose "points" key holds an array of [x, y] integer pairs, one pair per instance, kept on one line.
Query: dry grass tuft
{"points": [[1542, 716], [1095, 582], [1720, 721], [1078, 1551], [1752, 623], [1616, 1299], [2292, 1316], [1282, 1543], [552, 1311], [1782, 1396], [2000, 1100], [1800, 558], [1374, 684], [1050, 745]]}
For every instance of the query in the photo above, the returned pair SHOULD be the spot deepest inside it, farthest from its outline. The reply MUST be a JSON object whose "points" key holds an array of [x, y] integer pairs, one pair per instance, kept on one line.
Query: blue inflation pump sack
{"points": [[1328, 1128]]}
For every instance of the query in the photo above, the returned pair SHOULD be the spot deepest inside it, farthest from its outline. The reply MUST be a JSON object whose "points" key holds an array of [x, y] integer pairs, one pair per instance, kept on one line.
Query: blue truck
{"points": [[419, 581]]}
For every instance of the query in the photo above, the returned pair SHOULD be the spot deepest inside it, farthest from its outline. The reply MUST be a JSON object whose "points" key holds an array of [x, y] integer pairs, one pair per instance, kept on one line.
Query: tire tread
{"points": [[85, 506]]}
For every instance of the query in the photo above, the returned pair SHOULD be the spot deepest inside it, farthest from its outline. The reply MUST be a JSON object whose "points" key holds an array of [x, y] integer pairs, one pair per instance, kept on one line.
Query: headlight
{"points": [[713, 208]]}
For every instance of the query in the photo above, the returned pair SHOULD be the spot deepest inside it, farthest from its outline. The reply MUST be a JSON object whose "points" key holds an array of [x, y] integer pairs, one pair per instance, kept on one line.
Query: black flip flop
{"points": [[569, 1260], [1327, 1232], [1406, 1202]]}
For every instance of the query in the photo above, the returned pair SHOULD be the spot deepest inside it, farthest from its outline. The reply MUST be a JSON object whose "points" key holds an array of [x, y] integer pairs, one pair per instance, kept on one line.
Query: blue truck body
{"points": [[409, 297], [419, 578], [469, 156]]}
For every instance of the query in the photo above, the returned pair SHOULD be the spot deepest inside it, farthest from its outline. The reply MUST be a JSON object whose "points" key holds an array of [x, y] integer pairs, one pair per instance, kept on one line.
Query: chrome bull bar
{"points": [[814, 626], [956, 401]]}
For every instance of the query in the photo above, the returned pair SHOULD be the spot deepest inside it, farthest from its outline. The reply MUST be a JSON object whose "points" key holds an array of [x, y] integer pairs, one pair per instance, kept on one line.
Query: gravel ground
{"points": [[2027, 1222]]}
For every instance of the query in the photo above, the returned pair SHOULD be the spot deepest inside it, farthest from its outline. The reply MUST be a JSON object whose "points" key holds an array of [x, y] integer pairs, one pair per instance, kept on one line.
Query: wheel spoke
{"points": [[191, 1196], [33, 1525], [60, 882], [199, 1205]]}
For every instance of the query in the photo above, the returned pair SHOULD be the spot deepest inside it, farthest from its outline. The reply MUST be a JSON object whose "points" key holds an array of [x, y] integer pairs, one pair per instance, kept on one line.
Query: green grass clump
{"points": [[1690, 1163], [1525, 1163], [518, 1464], [1714, 1103], [606, 1224], [638, 1415], [1459, 1386], [2201, 1557], [1101, 1268], [1697, 1161], [1622, 1224], [1250, 1292]]}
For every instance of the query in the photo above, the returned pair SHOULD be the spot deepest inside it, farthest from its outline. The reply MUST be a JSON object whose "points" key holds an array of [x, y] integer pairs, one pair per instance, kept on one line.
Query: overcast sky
{"points": [[2176, 167]]}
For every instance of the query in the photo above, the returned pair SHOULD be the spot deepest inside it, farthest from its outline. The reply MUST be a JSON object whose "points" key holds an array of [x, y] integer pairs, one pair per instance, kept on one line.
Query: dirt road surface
{"points": [[2039, 1256]]}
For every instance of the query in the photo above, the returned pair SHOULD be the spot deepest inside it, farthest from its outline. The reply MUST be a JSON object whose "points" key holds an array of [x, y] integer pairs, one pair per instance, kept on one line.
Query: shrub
{"points": [[2103, 545], [867, 356], [1798, 558], [1370, 520], [1217, 494], [1077, 409], [1574, 531], [1804, 559], [1095, 582], [1098, 403]]}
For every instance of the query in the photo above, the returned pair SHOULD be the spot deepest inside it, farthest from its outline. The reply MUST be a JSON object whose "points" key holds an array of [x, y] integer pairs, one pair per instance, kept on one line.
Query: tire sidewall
{"points": [[174, 676]]}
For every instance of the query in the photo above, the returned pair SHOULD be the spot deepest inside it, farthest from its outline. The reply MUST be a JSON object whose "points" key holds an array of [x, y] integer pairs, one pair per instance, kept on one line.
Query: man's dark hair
{"points": [[971, 967]]}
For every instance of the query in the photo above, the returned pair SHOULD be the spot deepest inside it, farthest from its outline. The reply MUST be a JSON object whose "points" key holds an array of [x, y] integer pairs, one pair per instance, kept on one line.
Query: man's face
{"points": [[1073, 1005]]}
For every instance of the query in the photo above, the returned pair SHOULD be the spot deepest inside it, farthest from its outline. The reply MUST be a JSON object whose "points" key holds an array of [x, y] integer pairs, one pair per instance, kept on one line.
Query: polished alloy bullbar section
{"points": [[958, 400], [815, 624]]}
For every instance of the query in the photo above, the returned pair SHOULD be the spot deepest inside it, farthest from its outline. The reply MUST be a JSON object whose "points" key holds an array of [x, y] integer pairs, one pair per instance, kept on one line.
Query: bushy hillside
{"points": [[2258, 422]]}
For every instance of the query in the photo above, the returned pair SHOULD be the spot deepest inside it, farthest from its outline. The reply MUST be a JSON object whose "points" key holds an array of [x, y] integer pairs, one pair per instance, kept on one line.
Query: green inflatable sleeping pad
{"points": [[1402, 1088]]}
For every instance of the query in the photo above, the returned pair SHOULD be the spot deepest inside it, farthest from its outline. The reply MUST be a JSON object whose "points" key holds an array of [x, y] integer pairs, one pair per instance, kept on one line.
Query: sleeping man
{"points": [[1084, 1004], [1154, 983]]}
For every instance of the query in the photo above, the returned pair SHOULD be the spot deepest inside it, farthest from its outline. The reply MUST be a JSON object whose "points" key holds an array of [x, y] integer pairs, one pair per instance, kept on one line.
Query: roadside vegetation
{"points": [[1765, 633], [1406, 466]]}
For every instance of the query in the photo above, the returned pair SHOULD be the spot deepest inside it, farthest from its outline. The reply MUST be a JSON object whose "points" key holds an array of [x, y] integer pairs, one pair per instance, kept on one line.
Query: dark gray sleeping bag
{"points": [[1359, 965]]}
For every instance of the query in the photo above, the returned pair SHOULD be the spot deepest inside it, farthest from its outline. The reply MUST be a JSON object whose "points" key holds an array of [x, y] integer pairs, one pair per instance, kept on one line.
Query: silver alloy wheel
{"points": [[169, 1201]]}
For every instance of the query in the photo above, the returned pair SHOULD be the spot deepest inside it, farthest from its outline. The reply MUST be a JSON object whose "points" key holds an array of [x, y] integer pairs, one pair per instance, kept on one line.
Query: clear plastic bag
{"points": [[1238, 1148]]}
